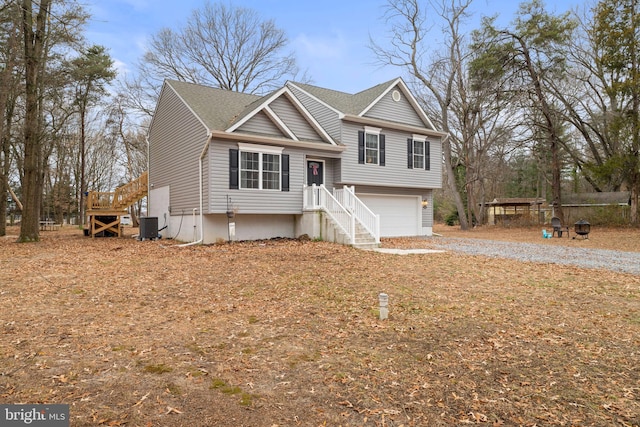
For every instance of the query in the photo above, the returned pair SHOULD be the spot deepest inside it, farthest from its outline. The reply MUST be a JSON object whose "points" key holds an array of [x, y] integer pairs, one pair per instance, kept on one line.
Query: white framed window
{"points": [[372, 145], [260, 167], [371, 149], [418, 154]]}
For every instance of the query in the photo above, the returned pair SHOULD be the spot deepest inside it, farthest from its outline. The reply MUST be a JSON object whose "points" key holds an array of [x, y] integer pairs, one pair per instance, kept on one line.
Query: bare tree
{"points": [[469, 113], [222, 46], [408, 28], [131, 142], [34, 30], [9, 89]]}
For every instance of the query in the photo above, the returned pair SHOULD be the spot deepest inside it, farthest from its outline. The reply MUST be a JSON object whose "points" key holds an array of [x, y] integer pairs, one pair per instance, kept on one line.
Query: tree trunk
{"points": [[556, 181], [83, 166], [4, 177], [452, 182], [634, 204], [33, 63], [6, 118]]}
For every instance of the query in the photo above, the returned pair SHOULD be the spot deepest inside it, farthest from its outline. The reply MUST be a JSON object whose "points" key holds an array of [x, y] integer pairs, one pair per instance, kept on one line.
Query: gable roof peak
{"points": [[343, 102]]}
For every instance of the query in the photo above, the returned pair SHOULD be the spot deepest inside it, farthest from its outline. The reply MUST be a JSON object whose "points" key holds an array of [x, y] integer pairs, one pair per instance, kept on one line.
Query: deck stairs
{"points": [[347, 219], [104, 209]]}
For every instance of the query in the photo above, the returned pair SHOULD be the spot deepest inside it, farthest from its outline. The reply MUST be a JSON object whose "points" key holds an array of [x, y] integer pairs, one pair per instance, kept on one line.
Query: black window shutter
{"points": [[381, 142], [233, 169], [361, 146], [427, 155], [285, 172], [410, 153]]}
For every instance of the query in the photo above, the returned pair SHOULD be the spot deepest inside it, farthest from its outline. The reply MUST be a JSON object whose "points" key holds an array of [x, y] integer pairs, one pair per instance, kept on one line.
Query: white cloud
{"points": [[122, 67], [333, 47]]}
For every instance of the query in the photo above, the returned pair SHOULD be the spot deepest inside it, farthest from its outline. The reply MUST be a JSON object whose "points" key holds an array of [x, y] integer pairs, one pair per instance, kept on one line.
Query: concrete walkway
{"points": [[405, 251]]}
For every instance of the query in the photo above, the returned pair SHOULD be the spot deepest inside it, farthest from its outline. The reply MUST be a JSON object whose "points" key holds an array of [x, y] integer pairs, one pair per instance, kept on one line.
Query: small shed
{"points": [[515, 210]]}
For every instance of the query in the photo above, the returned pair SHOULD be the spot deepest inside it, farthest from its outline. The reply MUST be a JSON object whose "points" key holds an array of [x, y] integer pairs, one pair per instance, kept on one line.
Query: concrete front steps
{"points": [[364, 240], [316, 224]]}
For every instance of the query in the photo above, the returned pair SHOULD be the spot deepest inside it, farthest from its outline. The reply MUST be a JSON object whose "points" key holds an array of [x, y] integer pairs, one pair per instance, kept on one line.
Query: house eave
{"points": [[392, 125], [370, 184], [268, 140]]}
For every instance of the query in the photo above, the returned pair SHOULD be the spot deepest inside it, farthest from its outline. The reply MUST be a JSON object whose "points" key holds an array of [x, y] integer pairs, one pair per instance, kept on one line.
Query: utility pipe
{"points": [[204, 153]]}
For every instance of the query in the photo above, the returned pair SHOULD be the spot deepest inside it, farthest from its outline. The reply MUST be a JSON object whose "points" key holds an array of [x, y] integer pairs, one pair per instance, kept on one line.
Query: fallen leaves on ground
{"points": [[286, 332]]}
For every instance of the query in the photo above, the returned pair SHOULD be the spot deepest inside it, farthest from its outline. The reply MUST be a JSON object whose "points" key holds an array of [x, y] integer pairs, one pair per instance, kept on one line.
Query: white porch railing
{"points": [[369, 220], [345, 208], [319, 198]]}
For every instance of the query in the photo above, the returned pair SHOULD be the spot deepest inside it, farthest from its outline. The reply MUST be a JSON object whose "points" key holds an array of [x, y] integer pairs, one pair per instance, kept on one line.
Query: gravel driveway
{"points": [[625, 262]]}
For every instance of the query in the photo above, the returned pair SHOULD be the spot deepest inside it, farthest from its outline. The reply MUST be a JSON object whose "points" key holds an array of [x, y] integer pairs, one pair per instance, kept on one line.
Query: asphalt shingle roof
{"points": [[344, 102], [217, 108]]}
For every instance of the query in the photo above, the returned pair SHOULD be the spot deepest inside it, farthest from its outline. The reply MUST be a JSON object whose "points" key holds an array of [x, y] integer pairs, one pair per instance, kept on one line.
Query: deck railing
{"points": [[131, 192], [121, 198]]}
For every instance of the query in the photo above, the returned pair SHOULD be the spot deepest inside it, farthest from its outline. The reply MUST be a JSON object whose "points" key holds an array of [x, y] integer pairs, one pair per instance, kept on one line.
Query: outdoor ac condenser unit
{"points": [[148, 228]]}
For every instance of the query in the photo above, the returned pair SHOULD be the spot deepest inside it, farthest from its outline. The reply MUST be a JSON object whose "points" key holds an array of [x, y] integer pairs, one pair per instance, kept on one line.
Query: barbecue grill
{"points": [[582, 228]]}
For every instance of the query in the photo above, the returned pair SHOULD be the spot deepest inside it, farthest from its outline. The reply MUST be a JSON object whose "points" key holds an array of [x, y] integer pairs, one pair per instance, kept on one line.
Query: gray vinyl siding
{"points": [[383, 190], [254, 201], [427, 214], [330, 173], [291, 117], [177, 138], [326, 117], [401, 111], [260, 124], [395, 173]]}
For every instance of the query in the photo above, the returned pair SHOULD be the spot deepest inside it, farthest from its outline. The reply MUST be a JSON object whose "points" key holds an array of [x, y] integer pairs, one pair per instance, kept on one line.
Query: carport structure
{"points": [[516, 210]]}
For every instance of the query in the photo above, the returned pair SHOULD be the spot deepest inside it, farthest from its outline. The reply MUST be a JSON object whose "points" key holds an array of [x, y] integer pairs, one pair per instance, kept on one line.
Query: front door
{"points": [[315, 172]]}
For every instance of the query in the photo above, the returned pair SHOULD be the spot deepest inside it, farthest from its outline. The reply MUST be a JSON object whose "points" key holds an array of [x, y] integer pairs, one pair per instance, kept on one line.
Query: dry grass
{"points": [[286, 333]]}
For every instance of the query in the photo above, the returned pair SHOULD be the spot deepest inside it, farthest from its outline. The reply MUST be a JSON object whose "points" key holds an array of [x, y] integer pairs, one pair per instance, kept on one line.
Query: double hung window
{"points": [[418, 153], [371, 146], [258, 167]]}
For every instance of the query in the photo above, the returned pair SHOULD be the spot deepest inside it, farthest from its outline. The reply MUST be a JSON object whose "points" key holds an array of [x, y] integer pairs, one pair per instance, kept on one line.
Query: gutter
{"points": [[270, 140], [200, 176], [393, 125]]}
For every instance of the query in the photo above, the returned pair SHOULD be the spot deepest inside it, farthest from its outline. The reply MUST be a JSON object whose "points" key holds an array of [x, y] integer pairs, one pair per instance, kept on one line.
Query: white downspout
{"points": [[204, 153], [146, 138]]}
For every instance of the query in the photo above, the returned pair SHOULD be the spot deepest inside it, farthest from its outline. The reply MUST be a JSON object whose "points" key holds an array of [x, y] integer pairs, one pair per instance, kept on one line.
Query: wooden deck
{"points": [[104, 209]]}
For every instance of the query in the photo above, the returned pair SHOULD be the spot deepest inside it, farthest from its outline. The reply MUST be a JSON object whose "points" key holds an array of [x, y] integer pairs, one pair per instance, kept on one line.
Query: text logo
{"points": [[34, 415]]}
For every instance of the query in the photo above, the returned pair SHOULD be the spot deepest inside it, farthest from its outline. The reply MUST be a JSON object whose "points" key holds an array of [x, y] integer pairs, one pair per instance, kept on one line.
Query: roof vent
{"points": [[396, 95]]}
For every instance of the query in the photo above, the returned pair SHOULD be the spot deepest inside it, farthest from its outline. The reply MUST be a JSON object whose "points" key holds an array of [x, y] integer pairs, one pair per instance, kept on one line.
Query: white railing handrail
{"points": [[369, 220], [318, 197], [345, 208]]}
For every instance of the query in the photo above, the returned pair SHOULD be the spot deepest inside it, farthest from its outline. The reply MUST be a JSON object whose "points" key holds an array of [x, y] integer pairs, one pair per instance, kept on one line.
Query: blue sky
{"points": [[329, 37]]}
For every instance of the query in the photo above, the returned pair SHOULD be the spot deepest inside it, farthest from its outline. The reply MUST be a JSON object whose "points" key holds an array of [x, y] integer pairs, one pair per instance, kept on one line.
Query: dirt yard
{"points": [[286, 333]]}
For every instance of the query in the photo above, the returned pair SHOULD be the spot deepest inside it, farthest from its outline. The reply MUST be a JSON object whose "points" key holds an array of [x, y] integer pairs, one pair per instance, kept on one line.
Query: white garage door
{"points": [[399, 215]]}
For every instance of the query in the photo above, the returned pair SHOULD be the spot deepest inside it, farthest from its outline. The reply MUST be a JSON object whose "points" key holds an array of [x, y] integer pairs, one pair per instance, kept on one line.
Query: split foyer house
{"points": [[349, 168]]}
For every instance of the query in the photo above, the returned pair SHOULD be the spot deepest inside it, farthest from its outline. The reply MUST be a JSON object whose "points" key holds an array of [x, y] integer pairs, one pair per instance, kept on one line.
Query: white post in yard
{"points": [[384, 306]]}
